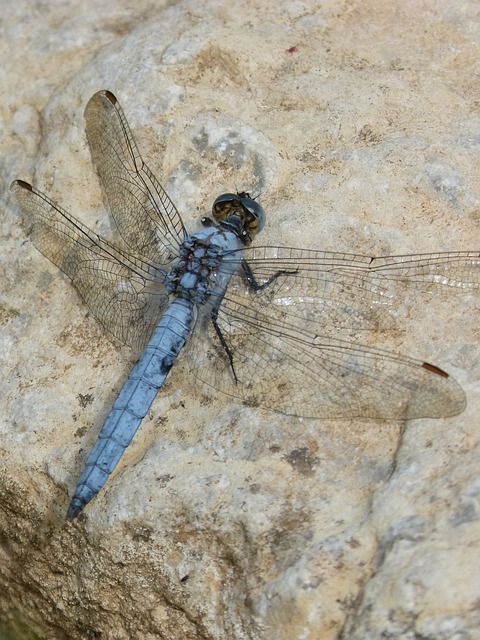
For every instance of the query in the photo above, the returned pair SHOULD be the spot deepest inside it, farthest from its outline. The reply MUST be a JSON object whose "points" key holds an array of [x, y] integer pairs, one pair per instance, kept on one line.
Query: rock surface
{"points": [[359, 124]]}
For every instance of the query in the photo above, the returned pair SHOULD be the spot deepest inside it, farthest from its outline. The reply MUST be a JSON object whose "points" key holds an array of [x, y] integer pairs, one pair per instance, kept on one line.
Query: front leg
{"points": [[207, 222]]}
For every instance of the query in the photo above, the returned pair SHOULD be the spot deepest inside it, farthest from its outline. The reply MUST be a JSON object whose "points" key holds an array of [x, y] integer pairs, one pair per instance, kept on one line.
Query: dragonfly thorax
{"points": [[194, 274]]}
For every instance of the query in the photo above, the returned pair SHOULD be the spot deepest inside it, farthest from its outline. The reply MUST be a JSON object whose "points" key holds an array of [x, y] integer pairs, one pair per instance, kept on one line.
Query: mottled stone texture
{"points": [[359, 124]]}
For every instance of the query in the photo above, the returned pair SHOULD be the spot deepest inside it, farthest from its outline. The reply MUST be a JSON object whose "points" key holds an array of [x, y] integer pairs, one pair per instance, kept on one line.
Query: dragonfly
{"points": [[269, 325]]}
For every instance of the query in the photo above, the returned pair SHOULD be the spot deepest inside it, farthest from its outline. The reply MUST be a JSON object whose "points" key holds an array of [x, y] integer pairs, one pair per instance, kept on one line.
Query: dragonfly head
{"points": [[241, 212]]}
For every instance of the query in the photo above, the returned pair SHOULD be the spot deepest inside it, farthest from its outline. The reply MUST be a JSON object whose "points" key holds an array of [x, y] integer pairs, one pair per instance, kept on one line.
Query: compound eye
{"points": [[225, 205], [257, 221]]}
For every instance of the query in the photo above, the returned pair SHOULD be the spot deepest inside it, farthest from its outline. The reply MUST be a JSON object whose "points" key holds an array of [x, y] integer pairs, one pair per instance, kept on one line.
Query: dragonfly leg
{"points": [[256, 286], [223, 342]]}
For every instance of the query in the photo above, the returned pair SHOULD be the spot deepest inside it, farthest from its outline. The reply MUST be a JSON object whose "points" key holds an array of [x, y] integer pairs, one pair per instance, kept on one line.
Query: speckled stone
{"points": [[358, 122]]}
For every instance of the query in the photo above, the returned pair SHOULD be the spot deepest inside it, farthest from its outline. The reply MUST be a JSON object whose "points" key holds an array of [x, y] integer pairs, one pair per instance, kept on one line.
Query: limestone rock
{"points": [[359, 125]]}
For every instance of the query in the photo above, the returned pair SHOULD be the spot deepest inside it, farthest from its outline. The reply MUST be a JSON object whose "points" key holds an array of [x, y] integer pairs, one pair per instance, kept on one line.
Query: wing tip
{"points": [[22, 184], [433, 369], [98, 99], [110, 96]]}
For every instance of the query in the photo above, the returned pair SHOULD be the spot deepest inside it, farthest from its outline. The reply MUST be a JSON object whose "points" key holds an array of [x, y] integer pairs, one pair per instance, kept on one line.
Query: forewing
{"points": [[290, 341], [349, 292], [123, 291], [145, 216]]}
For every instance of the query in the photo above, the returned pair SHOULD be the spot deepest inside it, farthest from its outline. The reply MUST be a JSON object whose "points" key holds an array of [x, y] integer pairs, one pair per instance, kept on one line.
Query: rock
{"points": [[358, 125]]}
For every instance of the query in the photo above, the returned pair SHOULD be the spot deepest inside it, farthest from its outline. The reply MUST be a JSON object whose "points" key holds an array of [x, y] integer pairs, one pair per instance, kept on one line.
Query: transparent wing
{"points": [[352, 292], [122, 290], [145, 216], [291, 341]]}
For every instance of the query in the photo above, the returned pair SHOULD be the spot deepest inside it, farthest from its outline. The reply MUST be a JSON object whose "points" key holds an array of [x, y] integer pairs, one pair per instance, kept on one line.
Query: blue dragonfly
{"points": [[269, 325]]}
